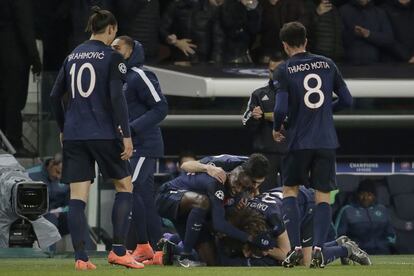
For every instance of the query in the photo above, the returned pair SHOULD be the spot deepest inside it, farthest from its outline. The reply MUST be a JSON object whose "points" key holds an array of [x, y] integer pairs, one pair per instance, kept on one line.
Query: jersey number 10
{"points": [[77, 76], [311, 90]]}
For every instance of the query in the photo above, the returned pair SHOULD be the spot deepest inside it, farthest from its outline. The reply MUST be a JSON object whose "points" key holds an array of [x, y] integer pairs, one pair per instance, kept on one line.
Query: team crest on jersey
{"points": [[219, 194], [122, 68]]}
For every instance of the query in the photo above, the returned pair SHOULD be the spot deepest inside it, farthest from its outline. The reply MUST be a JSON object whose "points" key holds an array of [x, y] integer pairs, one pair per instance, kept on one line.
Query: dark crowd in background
{"points": [[189, 32]]}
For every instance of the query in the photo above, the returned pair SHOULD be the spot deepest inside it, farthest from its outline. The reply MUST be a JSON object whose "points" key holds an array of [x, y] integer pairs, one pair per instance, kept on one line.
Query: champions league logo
{"points": [[259, 72], [122, 68]]}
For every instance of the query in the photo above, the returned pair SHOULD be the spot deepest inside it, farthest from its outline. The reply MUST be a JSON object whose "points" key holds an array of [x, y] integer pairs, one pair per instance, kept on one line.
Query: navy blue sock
{"points": [[120, 213], [332, 253], [77, 224], [139, 217], [321, 222], [153, 223], [292, 220], [331, 243], [194, 225]]}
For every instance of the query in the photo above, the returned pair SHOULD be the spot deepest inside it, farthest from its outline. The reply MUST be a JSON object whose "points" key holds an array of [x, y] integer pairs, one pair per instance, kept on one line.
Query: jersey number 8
{"points": [[78, 77], [311, 90]]}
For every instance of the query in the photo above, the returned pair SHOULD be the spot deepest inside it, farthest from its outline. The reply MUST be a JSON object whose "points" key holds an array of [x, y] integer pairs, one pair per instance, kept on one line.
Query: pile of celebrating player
{"points": [[108, 111]]}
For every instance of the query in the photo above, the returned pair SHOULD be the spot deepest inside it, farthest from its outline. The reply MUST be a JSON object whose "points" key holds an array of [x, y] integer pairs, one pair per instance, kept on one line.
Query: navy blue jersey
{"points": [[147, 106], [95, 105], [304, 86], [225, 161], [269, 204], [204, 184]]}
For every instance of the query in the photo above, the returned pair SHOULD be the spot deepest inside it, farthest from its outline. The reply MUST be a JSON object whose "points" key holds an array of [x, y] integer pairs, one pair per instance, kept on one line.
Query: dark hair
{"points": [[128, 40], [248, 221], [99, 20], [366, 185], [293, 33], [257, 166]]}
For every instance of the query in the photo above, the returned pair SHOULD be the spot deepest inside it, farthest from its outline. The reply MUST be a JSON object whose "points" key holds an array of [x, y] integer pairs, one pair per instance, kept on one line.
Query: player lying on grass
{"points": [[189, 200]]}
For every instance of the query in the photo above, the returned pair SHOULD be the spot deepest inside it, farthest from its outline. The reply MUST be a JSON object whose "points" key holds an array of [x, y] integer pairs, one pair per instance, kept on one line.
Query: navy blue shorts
{"points": [[316, 166], [79, 160], [168, 202]]}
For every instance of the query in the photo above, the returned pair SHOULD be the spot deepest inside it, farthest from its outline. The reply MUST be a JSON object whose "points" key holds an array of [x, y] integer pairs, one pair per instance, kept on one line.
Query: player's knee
{"points": [[202, 202], [290, 191], [123, 185], [321, 197]]}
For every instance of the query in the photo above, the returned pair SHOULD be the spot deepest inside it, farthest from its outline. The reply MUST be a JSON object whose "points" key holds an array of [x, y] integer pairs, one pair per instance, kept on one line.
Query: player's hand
{"points": [[257, 112], [217, 172], [278, 136], [362, 32], [242, 203], [411, 60], [186, 46], [127, 153], [61, 139], [324, 7], [264, 241]]}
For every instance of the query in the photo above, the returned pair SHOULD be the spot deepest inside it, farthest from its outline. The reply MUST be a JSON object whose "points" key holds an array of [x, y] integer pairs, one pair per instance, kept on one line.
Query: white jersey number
{"points": [[311, 90], [271, 197], [78, 77]]}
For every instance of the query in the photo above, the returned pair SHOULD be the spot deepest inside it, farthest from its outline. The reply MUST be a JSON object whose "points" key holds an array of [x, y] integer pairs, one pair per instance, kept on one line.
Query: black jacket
{"points": [[325, 34], [402, 22], [360, 50], [17, 32], [262, 129], [195, 20], [240, 27], [139, 19]]}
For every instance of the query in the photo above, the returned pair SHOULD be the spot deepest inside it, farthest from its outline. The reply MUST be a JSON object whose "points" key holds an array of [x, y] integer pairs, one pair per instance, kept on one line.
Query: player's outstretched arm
{"points": [[196, 166]]}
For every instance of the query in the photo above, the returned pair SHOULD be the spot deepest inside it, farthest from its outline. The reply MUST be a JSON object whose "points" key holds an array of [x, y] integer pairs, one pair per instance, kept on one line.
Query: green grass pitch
{"points": [[383, 265]]}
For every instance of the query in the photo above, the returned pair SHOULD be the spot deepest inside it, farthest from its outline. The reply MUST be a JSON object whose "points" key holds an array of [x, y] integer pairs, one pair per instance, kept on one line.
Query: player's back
{"points": [[269, 204], [310, 81], [227, 162], [200, 183], [88, 71]]}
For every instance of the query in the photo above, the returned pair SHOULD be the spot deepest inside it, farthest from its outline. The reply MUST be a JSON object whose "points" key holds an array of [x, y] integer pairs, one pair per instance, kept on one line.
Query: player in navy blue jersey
{"points": [[188, 199], [147, 107], [304, 86], [91, 113], [256, 166]]}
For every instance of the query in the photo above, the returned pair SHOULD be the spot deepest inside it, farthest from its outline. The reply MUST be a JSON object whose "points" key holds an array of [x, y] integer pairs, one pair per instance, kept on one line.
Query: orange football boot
{"points": [[127, 260], [156, 260], [81, 265], [143, 252]]}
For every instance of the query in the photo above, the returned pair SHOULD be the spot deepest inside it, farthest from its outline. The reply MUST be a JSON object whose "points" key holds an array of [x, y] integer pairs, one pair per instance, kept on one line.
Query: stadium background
{"points": [[206, 118]]}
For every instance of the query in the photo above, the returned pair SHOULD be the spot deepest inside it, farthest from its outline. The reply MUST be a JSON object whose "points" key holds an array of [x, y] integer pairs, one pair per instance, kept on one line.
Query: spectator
{"points": [[192, 29], [52, 24], [241, 20], [50, 173], [18, 53], [401, 15], [367, 31], [258, 118], [140, 20], [366, 222], [275, 14], [325, 32]]}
